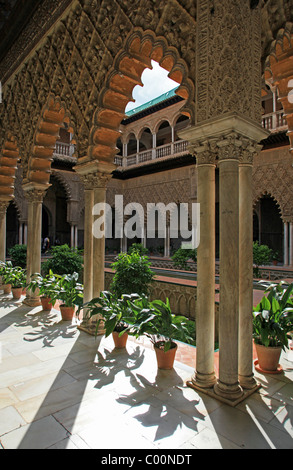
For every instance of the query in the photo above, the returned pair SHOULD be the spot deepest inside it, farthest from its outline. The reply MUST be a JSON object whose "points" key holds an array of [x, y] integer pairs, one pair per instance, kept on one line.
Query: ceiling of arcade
{"points": [[81, 59]]}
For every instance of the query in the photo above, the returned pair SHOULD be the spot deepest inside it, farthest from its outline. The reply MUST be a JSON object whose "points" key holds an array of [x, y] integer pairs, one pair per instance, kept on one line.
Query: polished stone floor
{"points": [[61, 388]]}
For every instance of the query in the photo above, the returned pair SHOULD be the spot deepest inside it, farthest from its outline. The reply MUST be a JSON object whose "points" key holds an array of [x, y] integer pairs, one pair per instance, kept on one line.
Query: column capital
{"points": [[204, 151], [95, 180], [34, 195], [3, 207]]}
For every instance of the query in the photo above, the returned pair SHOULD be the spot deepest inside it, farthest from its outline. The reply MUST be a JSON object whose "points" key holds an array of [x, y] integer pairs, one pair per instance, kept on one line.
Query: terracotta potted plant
{"points": [[46, 286], [156, 321], [115, 314], [6, 271], [272, 323], [17, 281], [70, 292]]}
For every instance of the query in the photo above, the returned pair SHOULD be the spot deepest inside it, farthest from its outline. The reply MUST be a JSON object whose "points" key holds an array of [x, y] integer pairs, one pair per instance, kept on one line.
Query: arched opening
{"points": [[12, 226], [181, 122], [268, 225], [54, 224]]}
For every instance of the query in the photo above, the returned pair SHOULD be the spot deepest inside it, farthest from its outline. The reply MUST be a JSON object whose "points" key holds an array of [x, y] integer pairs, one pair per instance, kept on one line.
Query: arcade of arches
{"points": [[65, 141]]}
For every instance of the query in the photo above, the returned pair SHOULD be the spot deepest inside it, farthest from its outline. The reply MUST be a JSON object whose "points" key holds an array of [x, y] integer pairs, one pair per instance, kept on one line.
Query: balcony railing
{"points": [[274, 121], [171, 149], [63, 150]]}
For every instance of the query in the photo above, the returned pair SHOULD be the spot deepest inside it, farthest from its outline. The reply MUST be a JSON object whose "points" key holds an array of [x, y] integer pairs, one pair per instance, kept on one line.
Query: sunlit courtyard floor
{"points": [[61, 388]]}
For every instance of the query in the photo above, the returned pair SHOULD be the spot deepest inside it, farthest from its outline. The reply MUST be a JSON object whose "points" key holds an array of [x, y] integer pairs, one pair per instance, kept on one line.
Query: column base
{"points": [[247, 382], [90, 327], [204, 381], [231, 402], [32, 302]]}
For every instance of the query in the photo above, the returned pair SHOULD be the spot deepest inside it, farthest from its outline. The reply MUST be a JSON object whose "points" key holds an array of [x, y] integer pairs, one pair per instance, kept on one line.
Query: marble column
{"points": [[94, 247], [35, 197], [3, 211], [228, 385], [88, 244], [204, 376], [246, 376]]}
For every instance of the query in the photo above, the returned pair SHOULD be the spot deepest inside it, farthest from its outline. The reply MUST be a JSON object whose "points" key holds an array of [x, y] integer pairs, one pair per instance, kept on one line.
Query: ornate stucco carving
{"points": [[228, 74]]}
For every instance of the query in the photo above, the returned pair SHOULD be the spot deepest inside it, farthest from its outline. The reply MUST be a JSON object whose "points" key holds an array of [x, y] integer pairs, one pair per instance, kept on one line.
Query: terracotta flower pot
{"points": [[46, 303], [67, 312], [119, 341], [165, 360], [268, 358], [7, 288], [17, 292]]}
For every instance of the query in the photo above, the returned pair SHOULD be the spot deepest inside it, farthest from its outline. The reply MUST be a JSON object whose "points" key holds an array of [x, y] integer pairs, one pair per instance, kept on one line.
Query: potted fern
{"points": [[272, 323]]}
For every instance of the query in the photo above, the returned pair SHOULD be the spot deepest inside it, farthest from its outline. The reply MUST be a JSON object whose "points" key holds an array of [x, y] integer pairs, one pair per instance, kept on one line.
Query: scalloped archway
{"points": [[9, 158], [53, 116], [140, 49], [279, 70]]}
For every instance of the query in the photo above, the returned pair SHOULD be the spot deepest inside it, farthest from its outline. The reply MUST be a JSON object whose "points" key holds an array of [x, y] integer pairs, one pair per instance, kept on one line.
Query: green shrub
{"points": [[139, 248], [181, 256], [18, 255], [262, 255], [65, 260], [132, 274]]}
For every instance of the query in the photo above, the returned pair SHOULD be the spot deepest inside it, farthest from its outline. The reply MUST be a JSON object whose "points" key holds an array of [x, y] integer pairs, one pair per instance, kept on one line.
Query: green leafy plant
{"points": [[139, 248], [181, 256], [65, 260], [262, 256], [17, 277], [7, 272], [47, 285], [273, 316], [116, 313], [132, 274], [68, 290], [18, 255], [156, 321]]}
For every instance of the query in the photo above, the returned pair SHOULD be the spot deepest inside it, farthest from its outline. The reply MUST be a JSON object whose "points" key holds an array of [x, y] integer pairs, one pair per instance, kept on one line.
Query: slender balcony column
{"points": [[228, 386], [76, 236], [25, 234], [35, 196], [167, 242], [286, 240], [154, 146], [20, 233], [72, 244], [204, 376], [291, 244], [3, 211], [246, 377]]}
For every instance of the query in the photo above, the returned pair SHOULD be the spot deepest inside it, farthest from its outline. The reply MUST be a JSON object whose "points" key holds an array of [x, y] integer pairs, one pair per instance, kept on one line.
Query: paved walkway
{"points": [[63, 389]]}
